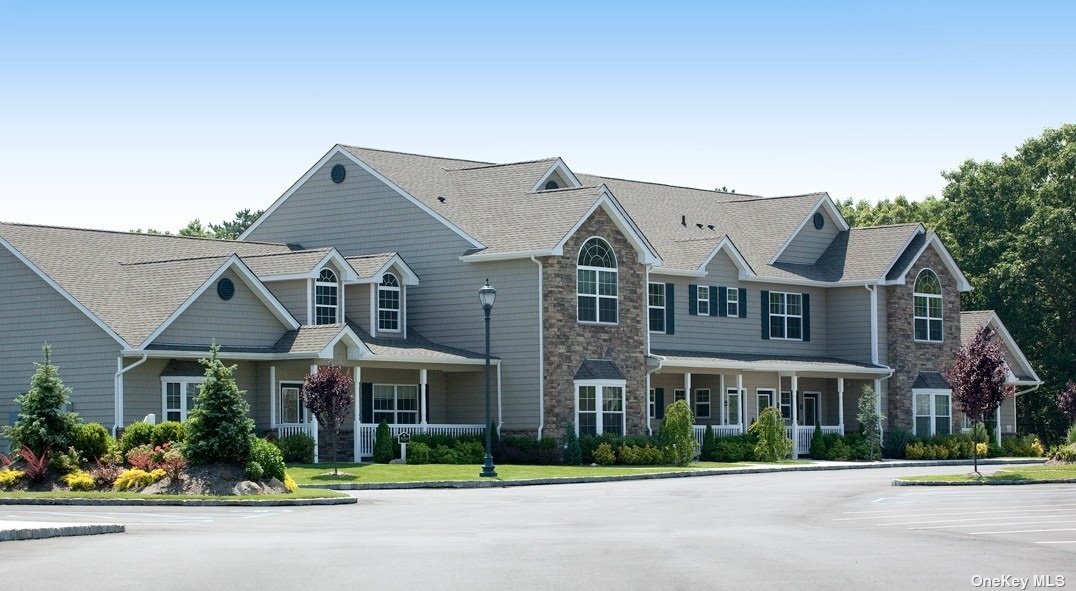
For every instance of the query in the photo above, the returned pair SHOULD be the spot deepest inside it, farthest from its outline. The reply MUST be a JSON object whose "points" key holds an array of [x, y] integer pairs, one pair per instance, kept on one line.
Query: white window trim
{"points": [[305, 412], [649, 307], [732, 297], [709, 403], [597, 286], [182, 381], [817, 407], [928, 318], [679, 394], [771, 392], [726, 419], [932, 392], [599, 397], [400, 298], [700, 300], [396, 403], [781, 405], [652, 403], [314, 302], [785, 316]]}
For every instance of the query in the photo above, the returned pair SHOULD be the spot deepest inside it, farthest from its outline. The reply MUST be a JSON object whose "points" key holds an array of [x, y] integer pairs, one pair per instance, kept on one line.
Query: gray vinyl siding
{"points": [[849, 312], [292, 295], [737, 335], [142, 390], [444, 307], [883, 325], [357, 304], [1008, 416], [241, 321], [810, 243], [31, 313]]}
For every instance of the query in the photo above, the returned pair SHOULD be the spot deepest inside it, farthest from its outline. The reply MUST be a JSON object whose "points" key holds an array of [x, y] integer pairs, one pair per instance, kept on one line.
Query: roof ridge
{"points": [[415, 154], [774, 198], [613, 178], [483, 166], [886, 226], [371, 255], [132, 233], [177, 260]]}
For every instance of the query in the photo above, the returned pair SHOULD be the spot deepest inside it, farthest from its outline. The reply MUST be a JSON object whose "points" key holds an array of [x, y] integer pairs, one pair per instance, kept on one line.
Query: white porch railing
{"points": [[311, 429], [805, 433], [719, 430], [364, 437]]}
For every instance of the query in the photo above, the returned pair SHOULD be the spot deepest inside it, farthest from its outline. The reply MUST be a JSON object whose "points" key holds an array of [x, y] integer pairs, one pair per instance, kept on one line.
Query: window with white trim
{"points": [[932, 412], [702, 302], [655, 302], [178, 396], [652, 404], [786, 406], [326, 297], [289, 405], [679, 394], [702, 403], [732, 406], [599, 408], [786, 315], [396, 404], [388, 303], [596, 283], [732, 302], [927, 307]]}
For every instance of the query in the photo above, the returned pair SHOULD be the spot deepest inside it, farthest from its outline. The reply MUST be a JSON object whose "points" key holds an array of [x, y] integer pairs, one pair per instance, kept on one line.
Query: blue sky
{"points": [[134, 114]]}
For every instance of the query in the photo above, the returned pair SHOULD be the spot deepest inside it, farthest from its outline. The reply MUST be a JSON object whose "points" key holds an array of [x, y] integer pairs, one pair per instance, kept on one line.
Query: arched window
{"points": [[596, 282], [928, 307], [326, 297], [388, 303]]}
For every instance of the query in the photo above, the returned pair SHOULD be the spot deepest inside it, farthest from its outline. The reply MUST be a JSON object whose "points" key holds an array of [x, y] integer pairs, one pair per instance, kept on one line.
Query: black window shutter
{"points": [[693, 299], [670, 308], [765, 303], [722, 301], [659, 403], [713, 300], [806, 317], [742, 306], [367, 403]]}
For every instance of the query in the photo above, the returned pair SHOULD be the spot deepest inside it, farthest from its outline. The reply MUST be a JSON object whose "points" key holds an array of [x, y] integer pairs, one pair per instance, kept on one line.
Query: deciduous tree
{"points": [[978, 379], [328, 394]]}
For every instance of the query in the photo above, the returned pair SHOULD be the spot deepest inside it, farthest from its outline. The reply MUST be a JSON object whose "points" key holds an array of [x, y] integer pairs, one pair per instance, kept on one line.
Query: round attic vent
{"points": [[819, 220], [551, 185], [225, 289], [338, 173]]}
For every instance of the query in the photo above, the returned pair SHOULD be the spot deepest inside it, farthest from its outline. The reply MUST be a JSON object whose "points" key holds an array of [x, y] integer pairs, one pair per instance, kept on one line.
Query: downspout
{"points": [[541, 351], [646, 329], [661, 363], [1015, 426], [873, 289], [118, 384]]}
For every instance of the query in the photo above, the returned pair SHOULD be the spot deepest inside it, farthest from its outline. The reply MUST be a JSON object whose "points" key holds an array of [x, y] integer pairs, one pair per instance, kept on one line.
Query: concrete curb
{"points": [[40, 531], [904, 482], [663, 475], [181, 502]]}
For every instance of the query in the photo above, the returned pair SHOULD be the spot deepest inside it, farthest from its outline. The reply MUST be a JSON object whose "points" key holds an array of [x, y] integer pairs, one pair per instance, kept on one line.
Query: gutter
{"points": [[118, 384], [541, 351]]}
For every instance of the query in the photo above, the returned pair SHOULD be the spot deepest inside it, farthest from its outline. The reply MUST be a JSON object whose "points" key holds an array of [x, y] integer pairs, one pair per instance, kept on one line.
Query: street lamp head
{"points": [[487, 295]]}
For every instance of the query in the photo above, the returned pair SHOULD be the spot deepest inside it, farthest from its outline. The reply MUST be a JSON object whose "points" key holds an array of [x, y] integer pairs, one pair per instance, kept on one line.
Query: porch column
{"points": [[878, 404], [997, 425], [500, 414], [795, 418], [723, 417], [743, 403], [840, 404], [422, 397], [687, 389], [356, 379], [314, 420], [272, 397], [646, 413]]}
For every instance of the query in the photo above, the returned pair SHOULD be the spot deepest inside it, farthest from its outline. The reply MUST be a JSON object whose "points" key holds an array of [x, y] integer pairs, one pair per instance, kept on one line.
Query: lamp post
{"points": [[487, 295]]}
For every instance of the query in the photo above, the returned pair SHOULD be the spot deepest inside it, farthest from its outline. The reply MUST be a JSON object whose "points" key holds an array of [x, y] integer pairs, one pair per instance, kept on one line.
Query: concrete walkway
{"points": [[37, 530]]}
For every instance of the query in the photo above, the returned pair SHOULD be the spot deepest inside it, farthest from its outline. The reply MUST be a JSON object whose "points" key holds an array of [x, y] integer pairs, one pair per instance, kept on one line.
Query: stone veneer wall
{"points": [[568, 343], [907, 356]]}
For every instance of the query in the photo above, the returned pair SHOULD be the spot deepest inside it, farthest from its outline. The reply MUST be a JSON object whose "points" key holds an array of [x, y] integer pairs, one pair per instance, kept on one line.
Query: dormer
{"points": [[558, 176], [379, 296], [310, 283], [813, 235]]}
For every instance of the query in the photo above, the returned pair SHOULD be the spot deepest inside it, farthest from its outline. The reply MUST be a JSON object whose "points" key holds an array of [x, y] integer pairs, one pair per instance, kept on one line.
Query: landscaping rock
{"points": [[247, 487], [397, 461], [275, 486]]}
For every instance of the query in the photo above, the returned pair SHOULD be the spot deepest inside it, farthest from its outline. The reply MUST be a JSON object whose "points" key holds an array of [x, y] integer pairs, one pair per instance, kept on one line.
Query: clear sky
{"points": [[147, 114]]}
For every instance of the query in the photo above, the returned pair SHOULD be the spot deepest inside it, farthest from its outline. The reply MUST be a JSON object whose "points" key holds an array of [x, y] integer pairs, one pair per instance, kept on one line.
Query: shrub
{"points": [[435, 439], [35, 466], [92, 440], [839, 451], [677, 433], [739, 448], [573, 452], [9, 478], [169, 432], [981, 449], [384, 450], [135, 479], [64, 462], [5, 461], [528, 450], [134, 435], [896, 442], [1022, 446], [470, 452], [914, 451], [297, 448], [171, 459], [142, 458], [604, 456], [444, 455], [651, 456], [104, 475], [418, 453], [269, 456], [42, 423], [289, 483], [956, 445], [1071, 435], [254, 470], [79, 480], [220, 428], [627, 454], [709, 444], [772, 444], [818, 444], [1063, 453]]}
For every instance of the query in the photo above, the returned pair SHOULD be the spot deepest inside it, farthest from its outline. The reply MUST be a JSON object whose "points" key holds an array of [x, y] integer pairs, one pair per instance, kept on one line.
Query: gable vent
{"points": [[225, 289], [338, 173]]}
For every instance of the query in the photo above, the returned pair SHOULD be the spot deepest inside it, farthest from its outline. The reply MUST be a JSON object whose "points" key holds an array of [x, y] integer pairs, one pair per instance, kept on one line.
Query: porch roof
{"points": [[767, 363]]}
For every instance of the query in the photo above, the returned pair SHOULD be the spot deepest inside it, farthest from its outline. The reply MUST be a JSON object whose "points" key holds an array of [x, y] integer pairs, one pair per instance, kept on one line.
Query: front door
{"points": [[763, 399], [809, 409]]}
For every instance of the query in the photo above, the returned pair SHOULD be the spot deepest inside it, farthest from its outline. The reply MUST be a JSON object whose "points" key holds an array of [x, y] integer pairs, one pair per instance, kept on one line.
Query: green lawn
{"points": [[383, 473], [302, 493], [1013, 473]]}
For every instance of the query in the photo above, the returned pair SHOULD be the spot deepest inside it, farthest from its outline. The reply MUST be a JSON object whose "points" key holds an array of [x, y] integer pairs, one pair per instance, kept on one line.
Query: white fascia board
{"points": [[248, 277], [670, 271], [919, 230], [332, 256], [646, 253], [338, 149], [66, 294], [1014, 348], [430, 359], [241, 356], [565, 173], [729, 247], [409, 275], [613, 382], [962, 283], [356, 349], [806, 282], [757, 366], [824, 202], [479, 257]]}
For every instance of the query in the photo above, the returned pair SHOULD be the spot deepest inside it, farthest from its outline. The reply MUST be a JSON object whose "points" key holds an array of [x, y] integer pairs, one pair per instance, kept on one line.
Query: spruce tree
{"points": [[573, 452], [219, 428], [42, 423]]}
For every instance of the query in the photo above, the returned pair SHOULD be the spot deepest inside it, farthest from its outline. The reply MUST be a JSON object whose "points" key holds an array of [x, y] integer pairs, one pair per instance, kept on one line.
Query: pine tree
{"points": [[573, 452], [42, 423], [219, 428], [384, 452], [709, 444]]}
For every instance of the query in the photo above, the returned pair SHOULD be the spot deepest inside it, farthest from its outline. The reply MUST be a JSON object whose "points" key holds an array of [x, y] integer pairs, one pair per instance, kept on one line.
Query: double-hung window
{"points": [[703, 300], [388, 304], [289, 406], [786, 315], [786, 406], [396, 404], [652, 404], [928, 307], [702, 403], [600, 408], [178, 396], [732, 406], [655, 300], [596, 283], [732, 302], [326, 297], [932, 411]]}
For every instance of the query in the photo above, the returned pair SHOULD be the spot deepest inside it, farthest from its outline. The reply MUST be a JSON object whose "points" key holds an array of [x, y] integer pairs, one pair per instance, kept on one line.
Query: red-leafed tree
{"points": [[978, 380], [1066, 401], [329, 396]]}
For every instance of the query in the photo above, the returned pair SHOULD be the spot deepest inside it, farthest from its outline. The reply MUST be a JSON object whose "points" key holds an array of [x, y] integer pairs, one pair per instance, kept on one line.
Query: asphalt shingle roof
{"points": [[931, 380], [792, 362], [598, 369], [367, 265]]}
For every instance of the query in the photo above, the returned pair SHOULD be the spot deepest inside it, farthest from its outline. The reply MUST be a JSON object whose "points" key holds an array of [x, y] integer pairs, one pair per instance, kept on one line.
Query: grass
{"points": [[384, 473], [1036, 473], [299, 494]]}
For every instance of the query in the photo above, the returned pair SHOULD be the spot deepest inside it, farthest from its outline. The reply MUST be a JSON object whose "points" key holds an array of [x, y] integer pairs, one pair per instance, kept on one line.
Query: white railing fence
{"points": [[805, 433], [719, 430], [364, 437], [311, 429]]}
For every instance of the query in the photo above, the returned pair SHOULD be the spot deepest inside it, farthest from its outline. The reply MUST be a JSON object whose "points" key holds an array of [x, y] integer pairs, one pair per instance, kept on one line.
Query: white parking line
{"points": [[1020, 531], [1058, 542], [973, 525], [971, 508], [986, 518], [962, 512]]}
